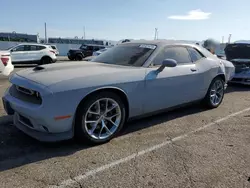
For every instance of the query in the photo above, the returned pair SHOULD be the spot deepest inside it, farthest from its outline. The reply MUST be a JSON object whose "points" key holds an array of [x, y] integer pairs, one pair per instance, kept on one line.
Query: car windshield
{"points": [[127, 55], [9, 48], [84, 47]]}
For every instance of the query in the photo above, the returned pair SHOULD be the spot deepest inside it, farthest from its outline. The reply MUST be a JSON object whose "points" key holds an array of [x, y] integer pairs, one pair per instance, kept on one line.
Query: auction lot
{"points": [[188, 147]]}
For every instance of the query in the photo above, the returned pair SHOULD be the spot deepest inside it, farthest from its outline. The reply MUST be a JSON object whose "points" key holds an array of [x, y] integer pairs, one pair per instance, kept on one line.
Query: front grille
{"points": [[240, 67], [25, 94]]}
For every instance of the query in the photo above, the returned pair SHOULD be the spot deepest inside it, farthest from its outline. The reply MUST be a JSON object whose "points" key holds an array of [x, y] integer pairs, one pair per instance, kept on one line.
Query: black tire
{"points": [[79, 57], [207, 101], [45, 60], [80, 131]]}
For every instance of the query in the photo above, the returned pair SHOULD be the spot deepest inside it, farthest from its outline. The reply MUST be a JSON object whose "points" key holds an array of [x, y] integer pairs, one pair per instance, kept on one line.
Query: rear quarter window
{"points": [[40, 47]]}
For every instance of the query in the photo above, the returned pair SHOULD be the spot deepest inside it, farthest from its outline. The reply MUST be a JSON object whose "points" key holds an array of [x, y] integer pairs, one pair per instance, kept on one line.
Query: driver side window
{"points": [[178, 53], [18, 48]]}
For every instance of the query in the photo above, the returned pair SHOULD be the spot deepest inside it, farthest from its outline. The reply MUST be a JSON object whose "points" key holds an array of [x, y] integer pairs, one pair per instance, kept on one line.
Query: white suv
{"points": [[6, 66], [32, 54]]}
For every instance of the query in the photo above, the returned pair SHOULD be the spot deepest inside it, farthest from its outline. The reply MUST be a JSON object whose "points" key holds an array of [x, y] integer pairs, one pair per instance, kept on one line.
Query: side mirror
{"points": [[167, 63]]}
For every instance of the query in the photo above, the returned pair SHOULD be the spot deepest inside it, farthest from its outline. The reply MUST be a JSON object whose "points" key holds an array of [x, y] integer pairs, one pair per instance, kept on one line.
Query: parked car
{"points": [[55, 49], [96, 98], [239, 55], [85, 50], [96, 53], [6, 66], [28, 53]]}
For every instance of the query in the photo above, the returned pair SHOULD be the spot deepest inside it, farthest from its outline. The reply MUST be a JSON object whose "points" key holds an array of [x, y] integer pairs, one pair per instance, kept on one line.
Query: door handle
{"points": [[193, 69]]}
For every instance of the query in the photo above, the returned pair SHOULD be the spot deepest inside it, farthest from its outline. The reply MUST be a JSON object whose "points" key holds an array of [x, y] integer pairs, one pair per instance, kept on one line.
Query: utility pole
{"points": [[84, 32], [229, 38], [45, 30], [156, 33]]}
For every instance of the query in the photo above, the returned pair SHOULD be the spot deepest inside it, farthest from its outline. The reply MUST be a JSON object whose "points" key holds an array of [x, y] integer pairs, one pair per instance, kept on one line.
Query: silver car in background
{"points": [[96, 53], [128, 81]]}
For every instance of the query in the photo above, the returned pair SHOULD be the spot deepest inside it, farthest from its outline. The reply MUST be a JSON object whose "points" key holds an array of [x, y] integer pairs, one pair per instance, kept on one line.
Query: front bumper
{"points": [[241, 78], [54, 60], [38, 120], [32, 125], [243, 81], [39, 135]]}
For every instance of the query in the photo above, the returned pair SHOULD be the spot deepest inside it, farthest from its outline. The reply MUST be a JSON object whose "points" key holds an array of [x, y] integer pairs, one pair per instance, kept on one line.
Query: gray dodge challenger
{"points": [[92, 100]]}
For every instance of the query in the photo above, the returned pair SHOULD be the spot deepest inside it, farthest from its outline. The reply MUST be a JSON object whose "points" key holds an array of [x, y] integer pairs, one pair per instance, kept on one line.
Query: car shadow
{"points": [[237, 88], [18, 149], [25, 66]]}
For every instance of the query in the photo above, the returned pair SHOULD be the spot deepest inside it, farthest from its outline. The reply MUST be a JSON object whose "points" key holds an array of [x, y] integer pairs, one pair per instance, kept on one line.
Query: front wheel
{"points": [[100, 118], [79, 57], [215, 93]]}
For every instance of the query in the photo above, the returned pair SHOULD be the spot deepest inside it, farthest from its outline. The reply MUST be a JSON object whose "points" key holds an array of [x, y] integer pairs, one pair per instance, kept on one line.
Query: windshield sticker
{"points": [[149, 46]]}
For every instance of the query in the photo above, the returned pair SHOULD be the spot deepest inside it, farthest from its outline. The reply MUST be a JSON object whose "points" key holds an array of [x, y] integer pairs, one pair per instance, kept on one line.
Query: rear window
{"points": [[127, 55], [53, 47]]}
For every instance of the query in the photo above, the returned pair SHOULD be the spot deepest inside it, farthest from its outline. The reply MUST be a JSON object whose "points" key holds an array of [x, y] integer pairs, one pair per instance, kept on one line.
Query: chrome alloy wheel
{"points": [[102, 118], [216, 92]]}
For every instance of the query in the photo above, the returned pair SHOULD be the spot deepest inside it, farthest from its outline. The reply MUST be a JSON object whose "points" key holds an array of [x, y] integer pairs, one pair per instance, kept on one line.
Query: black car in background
{"points": [[85, 50]]}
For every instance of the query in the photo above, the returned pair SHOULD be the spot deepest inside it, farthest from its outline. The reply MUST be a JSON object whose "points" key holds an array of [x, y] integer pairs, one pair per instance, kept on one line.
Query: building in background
{"points": [[18, 37], [75, 41]]}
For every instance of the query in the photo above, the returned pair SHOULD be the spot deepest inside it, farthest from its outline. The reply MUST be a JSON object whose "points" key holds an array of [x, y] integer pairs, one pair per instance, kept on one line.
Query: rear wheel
{"points": [[45, 60], [100, 118], [215, 93]]}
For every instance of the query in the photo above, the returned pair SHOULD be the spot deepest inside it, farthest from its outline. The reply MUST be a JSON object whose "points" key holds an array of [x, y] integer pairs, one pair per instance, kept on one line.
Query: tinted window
{"points": [[96, 48], [127, 55], [180, 54], [90, 47], [194, 54], [40, 47], [53, 47], [19, 48], [33, 48], [83, 47]]}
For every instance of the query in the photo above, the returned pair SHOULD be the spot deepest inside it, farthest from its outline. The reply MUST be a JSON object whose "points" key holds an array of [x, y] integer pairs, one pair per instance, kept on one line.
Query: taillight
{"points": [[5, 60], [52, 51]]}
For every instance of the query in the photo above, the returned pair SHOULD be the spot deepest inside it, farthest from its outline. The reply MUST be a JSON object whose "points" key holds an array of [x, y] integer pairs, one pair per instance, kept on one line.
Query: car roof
{"points": [[162, 42], [94, 45], [33, 44]]}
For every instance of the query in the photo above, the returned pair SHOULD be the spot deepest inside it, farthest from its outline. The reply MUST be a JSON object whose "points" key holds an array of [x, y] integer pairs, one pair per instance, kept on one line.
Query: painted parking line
{"points": [[73, 181]]}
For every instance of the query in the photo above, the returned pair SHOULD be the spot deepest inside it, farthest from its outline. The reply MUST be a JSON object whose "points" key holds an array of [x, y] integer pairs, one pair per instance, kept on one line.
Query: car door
{"points": [[17, 54], [202, 71], [89, 51], [173, 86], [32, 52]]}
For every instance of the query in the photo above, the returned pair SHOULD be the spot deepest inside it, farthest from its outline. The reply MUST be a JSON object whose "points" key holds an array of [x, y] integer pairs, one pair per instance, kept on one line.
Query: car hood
{"points": [[48, 75], [237, 51]]}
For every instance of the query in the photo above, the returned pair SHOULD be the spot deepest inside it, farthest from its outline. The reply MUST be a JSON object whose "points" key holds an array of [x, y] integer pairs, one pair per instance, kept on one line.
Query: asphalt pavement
{"points": [[188, 147]]}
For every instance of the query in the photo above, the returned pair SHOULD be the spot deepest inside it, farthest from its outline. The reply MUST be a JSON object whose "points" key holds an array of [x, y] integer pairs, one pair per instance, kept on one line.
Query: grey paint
{"points": [[62, 87]]}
